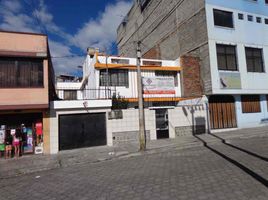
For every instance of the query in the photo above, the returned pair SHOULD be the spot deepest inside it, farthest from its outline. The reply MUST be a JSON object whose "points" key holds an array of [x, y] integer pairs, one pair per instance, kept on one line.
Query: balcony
{"points": [[82, 99]]}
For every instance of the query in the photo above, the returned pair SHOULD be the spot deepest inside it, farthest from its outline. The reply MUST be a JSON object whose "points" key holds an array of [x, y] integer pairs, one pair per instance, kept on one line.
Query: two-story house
{"points": [[228, 37], [26, 87]]}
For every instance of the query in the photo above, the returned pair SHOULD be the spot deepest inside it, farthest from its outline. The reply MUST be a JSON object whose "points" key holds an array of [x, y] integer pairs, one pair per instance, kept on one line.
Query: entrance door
{"points": [[222, 112], [82, 130], [161, 117]]}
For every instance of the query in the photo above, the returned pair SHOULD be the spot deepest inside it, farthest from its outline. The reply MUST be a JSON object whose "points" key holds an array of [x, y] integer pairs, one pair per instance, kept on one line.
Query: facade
{"points": [[166, 112], [26, 87], [229, 40]]}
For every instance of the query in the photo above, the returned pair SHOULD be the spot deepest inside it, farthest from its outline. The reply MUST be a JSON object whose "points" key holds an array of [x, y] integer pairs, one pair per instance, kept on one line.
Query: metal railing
{"points": [[85, 94]]}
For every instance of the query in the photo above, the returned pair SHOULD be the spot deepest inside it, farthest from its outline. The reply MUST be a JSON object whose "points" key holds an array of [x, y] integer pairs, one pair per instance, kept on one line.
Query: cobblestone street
{"points": [[219, 171]]}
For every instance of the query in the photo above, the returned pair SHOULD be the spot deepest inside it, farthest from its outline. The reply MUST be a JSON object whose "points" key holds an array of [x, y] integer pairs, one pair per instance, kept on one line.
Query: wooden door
{"points": [[222, 112]]}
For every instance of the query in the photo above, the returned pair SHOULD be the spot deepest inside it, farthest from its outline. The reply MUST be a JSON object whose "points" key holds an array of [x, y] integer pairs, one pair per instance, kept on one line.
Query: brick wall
{"points": [[191, 79], [153, 53]]}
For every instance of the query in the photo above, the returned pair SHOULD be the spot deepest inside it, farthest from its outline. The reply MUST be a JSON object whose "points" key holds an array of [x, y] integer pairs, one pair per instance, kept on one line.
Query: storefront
{"points": [[21, 134]]}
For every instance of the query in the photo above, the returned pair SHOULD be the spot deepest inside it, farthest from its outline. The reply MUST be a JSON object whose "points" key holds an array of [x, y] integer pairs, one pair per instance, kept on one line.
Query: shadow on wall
{"points": [[198, 123]]}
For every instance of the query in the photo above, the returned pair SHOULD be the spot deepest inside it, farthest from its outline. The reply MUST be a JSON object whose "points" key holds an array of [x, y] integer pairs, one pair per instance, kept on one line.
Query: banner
{"points": [[158, 85]]}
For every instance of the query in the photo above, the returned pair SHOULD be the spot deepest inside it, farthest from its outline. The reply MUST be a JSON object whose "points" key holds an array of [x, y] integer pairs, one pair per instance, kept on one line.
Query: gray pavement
{"points": [[217, 171]]}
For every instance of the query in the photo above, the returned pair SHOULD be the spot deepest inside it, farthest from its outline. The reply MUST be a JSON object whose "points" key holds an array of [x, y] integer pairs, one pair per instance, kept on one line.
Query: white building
{"points": [[230, 37], [238, 49]]}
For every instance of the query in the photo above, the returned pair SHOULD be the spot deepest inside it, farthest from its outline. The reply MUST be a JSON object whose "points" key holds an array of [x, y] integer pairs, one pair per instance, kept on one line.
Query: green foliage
{"points": [[119, 102]]}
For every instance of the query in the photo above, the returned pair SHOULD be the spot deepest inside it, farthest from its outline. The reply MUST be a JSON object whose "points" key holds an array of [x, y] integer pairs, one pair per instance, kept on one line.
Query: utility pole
{"points": [[140, 100]]}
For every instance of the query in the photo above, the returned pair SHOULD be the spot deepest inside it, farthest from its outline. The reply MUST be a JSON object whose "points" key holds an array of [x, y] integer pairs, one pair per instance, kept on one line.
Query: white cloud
{"points": [[101, 32], [65, 64]]}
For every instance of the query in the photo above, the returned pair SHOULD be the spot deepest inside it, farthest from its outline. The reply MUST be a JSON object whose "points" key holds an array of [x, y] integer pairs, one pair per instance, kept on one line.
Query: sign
{"points": [[229, 80], [158, 85], [2, 136]]}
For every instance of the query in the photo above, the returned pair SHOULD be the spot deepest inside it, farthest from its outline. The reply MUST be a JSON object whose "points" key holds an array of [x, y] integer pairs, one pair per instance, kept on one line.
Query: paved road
{"points": [[219, 171]]}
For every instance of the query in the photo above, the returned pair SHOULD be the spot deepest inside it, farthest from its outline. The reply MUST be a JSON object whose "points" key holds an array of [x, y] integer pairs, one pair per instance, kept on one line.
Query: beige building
{"points": [[26, 87]]}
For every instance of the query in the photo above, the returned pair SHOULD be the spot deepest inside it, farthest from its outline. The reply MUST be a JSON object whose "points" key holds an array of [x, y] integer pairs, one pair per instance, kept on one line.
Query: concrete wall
{"points": [[249, 120], [244, 34], [169, 29], [126, 129], [28, 45], [181, 120]]}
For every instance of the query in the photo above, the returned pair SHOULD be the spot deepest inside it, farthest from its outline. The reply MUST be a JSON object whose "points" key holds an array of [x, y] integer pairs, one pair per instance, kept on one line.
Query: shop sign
{"points": [[158, 85], [229, 80]]}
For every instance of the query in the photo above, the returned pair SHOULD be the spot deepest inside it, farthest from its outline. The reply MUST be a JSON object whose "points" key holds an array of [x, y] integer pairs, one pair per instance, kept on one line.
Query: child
{"points": [[8, 142], [16, 143]]}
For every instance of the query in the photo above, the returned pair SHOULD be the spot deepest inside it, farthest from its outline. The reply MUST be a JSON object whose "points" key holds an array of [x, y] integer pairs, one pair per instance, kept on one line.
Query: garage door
{"points": [[83, 130]]}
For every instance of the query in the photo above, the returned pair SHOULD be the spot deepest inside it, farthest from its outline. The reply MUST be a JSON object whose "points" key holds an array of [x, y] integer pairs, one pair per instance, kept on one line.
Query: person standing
{"points": [[16, 143], [8, 142]]}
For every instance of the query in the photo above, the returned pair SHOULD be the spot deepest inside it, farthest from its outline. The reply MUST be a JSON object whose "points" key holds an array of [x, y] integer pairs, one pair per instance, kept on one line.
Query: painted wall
{"points": [[130, 91], [244, 34], [248, 120], [130, 123], [21, 43]]}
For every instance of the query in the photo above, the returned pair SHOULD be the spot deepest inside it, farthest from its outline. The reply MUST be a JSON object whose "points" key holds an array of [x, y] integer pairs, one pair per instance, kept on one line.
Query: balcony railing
{"points": [[85, 94]]}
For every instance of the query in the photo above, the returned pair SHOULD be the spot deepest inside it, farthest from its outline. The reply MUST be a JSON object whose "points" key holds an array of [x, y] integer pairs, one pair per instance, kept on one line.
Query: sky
{"points": [[71, 25]]}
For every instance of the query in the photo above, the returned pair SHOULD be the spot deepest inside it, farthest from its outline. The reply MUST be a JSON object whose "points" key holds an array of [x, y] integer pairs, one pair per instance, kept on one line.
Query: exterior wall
{"points": [[248, 120], [28, 45], [127, 129], [54, 124], [181, 120], [244, 34], [19, 42], [169, 29], [93, 76]]}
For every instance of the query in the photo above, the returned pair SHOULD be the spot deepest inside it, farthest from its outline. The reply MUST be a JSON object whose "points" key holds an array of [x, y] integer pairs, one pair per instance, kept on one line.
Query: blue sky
{"points": [[72, 25]]}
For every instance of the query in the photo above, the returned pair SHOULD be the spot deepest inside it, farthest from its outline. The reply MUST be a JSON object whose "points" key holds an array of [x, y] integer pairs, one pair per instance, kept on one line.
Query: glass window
{"points": [[116, 77], [240, 16], [226, 55], [254, 59], [21, 73], [223, 18]]}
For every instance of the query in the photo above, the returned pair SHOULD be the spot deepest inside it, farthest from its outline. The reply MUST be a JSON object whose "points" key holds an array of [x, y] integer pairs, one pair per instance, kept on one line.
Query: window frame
{"points": [[221, 24], [114, 74], [254, 58], [17, 63], [249, 101], [226, 55]]}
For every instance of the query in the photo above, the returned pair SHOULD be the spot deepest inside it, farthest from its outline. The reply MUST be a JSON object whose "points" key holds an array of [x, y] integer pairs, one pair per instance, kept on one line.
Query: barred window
{"points": [[254, 60], [251, 103], [116, 77], [21, 73], [226, 55]]}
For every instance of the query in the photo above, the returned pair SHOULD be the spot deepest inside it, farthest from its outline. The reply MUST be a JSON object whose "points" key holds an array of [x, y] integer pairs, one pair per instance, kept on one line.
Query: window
{"points": [[70, 94], [266, 21], [250, 18], [116, 77], [240, 16], [266, 1], [223, 18], [168, 74], [258, 19], [251, 103], [144, 3], [254, 60], [21, 73], [226, 55]]}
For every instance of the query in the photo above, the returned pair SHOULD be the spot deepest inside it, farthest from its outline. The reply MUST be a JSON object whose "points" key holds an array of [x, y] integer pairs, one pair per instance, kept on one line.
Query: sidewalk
{"points": [[35, 163]]}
